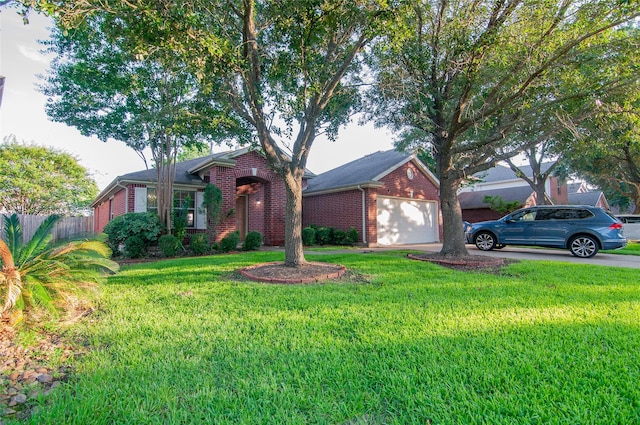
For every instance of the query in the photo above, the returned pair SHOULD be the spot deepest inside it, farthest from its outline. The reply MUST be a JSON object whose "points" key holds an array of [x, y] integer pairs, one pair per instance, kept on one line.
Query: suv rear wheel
{"points": [[485, 241], [583, 246]]}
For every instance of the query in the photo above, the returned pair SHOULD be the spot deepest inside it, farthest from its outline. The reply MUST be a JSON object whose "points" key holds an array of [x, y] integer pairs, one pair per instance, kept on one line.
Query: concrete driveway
{"points": [[519, 253]]}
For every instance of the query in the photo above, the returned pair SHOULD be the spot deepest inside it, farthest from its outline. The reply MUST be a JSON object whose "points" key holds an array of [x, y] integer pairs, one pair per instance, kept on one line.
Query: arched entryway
{"points": [[259, 204], [250, 206]]}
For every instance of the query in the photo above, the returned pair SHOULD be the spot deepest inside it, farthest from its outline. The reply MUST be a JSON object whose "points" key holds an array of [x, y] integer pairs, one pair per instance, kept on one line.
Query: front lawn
{"points": [[402, 342], [632, 248]]}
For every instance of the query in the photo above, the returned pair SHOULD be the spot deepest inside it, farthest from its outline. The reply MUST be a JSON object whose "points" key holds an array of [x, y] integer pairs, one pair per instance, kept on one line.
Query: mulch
{"points": [[466, 263], [278, 272]]}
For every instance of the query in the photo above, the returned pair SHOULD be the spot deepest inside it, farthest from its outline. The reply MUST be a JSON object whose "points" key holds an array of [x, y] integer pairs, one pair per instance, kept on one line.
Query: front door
{"points": [[241, 216]]}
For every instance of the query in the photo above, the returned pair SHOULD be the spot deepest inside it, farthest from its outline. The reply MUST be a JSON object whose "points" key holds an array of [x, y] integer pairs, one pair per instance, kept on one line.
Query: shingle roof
{"points": [[586, 198], [474, 200], [182, 171], [365, 170], [502, 173]]}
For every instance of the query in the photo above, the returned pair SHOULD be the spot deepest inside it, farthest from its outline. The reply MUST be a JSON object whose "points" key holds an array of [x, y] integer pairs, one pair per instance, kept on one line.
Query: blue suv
{"points": [[582, 229]]}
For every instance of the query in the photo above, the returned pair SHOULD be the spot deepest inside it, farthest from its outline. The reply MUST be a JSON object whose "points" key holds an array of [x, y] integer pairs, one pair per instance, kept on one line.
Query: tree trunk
{"points": [[636, 198], [541, 195], [452, 228], [294, 254]]}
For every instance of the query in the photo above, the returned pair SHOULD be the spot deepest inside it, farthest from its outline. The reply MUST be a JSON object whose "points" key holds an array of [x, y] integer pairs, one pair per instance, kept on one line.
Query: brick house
{"points": [[253, 196], [502, 181], [391, 195]]}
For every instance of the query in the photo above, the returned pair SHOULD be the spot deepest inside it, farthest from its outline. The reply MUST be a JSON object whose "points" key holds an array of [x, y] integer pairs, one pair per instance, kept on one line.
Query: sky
{"points": [[22, 113]]}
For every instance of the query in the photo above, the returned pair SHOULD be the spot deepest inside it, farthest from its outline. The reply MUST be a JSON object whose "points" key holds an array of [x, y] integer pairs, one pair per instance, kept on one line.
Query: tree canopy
{"points": [[606, 151], [472, 82], [101, 84], [39, 180], [289, 70], [479, 82]]}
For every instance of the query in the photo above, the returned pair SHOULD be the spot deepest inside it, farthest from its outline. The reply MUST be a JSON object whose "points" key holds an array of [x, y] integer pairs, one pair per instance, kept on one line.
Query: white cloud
{"points": [[33, 54]]}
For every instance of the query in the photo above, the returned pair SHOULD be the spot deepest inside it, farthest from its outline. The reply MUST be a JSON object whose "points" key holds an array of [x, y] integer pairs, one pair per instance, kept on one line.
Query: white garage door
{"points": [[404, 221]]}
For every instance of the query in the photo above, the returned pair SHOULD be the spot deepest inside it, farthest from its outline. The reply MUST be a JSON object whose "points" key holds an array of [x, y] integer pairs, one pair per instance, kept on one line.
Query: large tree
{"points": [[102, 83], [537, 156], [464, 78], [289, 69], [40, 180], [606, 150]]}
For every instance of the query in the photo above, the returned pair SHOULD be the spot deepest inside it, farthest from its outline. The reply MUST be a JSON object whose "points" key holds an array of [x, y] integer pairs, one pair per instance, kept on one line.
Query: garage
{"points": [[406, 221]]}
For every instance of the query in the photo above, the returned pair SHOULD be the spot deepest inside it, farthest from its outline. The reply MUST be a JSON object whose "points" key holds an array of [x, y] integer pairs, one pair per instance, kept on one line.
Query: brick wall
{"points": [[480, 214], [559, 193], [101, 216], [397, 183], [340, 210], [223, 178], [343, 210], [119, 203]]}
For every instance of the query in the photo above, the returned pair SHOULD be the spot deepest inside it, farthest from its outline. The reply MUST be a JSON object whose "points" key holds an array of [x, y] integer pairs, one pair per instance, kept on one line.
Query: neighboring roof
{"points": [[585, 198], [502, 173], [474, 200], [364, 172]]}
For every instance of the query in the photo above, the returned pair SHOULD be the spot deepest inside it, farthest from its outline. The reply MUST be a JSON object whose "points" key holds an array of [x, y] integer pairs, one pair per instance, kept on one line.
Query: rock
{"points": [[8, 412], [18, 399], [44, 378]]}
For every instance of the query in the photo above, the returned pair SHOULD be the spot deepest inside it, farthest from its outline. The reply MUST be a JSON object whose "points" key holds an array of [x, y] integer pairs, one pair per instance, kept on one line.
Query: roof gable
{"points": [[368, 170]]}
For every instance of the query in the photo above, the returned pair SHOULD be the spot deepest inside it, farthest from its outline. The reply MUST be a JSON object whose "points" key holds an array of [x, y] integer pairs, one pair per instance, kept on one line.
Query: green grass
{"points": [[404, 342], [633, 248]]}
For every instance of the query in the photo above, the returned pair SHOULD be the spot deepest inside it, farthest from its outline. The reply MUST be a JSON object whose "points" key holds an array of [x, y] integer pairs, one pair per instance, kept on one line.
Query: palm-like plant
{"points": [[40, 275]]}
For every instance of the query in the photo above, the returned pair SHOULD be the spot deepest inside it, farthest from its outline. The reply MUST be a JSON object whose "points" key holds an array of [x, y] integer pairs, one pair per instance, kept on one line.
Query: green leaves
{"points": [[46, 275], [39, 180]]}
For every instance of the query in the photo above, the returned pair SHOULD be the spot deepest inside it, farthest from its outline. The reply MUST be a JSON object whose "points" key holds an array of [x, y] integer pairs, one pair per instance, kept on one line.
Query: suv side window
{"points": [[547, 214], [562, 214], [528, 215], [576, 214]]}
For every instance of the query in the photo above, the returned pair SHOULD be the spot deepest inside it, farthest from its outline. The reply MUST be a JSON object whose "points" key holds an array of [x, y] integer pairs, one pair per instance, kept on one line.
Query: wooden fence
{"points": [[65, 228]]}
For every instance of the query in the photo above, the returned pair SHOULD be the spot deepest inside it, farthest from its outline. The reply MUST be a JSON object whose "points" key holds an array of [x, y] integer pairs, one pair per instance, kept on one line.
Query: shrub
{"points": [[308, 236], [146, 226], [353, 236], [252, 241], [340, 237], [324, 235], [135, 247], [230, 242], [199, 243], [169, 245]]}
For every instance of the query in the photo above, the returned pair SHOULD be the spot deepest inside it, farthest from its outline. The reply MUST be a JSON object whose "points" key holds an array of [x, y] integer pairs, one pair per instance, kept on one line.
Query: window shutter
{"points": [[201, 216], [140, 199]]}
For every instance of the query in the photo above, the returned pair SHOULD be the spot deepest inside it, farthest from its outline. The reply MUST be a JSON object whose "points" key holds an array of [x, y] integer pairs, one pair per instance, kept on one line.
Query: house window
{"points": [[410, 174], [187, 200], [181, 199]]}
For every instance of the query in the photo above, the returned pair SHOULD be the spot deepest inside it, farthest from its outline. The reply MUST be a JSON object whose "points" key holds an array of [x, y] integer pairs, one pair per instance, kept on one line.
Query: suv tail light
{"points": [[616, 226]]}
